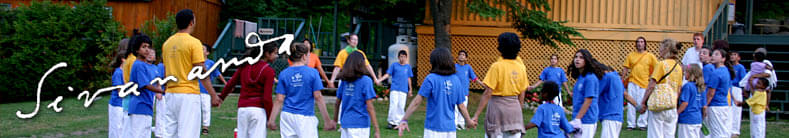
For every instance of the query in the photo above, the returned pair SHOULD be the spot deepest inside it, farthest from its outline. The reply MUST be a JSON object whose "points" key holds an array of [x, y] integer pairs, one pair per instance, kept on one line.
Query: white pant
{"points": [[251, 122], [689, 130], [397, 101], [662, 124], [161, 118], [434, 134], [459, 120], [115, 119], [182, 115], [717, 121], [610, 129], [124, 122], [588, 130], [638, 94], [140, 126], [758, 125], [298, 126], [736, 111], [205, 108], [355, 132]]}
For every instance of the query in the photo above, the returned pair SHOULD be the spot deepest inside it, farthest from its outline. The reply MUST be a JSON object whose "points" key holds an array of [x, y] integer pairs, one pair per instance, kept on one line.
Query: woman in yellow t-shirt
{"points": [[663, 123]]}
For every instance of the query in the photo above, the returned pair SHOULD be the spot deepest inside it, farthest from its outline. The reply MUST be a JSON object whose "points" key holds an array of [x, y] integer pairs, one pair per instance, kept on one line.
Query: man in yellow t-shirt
{"points": [[352, 40], [505, 84], [639, 64], [182, 52]]}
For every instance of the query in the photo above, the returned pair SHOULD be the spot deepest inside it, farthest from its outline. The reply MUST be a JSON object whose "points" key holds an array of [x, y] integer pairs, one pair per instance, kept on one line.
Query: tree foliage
{"points": [[159, 30], [529, 19], [34, 38]]}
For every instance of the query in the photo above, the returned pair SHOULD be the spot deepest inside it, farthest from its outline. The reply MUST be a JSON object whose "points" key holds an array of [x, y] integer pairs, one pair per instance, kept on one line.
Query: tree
{"points": [[529, 19], [442, 10]]}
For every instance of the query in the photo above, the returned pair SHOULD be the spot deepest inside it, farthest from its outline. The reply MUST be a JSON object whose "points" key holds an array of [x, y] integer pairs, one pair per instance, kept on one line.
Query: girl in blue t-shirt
{"points": [[443, 93], [586, 70], [356, 94], [549, 117], [717, 100], [690, 103]]}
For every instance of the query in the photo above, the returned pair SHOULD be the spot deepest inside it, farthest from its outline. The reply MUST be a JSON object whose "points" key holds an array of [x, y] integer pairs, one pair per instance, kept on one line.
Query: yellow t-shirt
{"points": [[640, 69], [342, 55], [126, 67], [507, 77], [674, 79], [757, 102], [180, 52]]}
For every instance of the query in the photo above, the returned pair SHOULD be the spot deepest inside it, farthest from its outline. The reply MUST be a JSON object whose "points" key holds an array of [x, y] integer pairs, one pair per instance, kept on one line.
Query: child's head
{"points": [[693, 73], [554, 59], [698, 39], [509, 45], [298, 52], [718, 56], [402, 56], [206, 50], [121, 54], [140, 45], [584, 63], [704, 55], [758, 57], [641, 43], [269, 52], [550, 89], [761, 83], [462, 56], [151, 57], [734, 56], [354, 67], [441, 62]]}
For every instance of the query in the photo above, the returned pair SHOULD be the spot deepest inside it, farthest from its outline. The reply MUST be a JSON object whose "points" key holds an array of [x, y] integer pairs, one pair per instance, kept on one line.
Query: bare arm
{"points": [[411, 108], [530, 125], [410, 88], [323, 76], [370, 69], [584, 108], [483, 102], [682, 107], [470, 123], [328, 124], [222, 79], [154, 88], [337, 109], [373, 118], [334, 74], [275, 111], [215, 100]]}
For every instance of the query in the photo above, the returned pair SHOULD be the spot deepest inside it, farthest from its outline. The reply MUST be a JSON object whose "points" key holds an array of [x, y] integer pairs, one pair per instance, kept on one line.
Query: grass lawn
{"points": [[78, 121]]}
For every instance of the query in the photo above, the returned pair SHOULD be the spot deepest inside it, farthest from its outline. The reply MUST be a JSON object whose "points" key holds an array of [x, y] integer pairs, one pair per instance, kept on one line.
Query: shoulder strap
{"points": [[638, 60], [669, 72]]}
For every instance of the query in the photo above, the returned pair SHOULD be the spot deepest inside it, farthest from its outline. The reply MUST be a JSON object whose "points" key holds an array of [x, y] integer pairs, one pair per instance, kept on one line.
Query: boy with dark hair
{"points": [[401, 85], [549, 117]]}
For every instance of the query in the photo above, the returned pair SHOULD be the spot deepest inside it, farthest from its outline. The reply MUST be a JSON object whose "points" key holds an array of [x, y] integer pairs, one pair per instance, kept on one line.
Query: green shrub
{"points": [[159, 30], [35, 37]]}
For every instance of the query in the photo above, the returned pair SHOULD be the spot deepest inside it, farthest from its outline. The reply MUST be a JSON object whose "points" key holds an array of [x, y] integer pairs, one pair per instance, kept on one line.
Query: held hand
{"points": [[329, 125], [216, 101], [410, 94], [271, 125], [704, 112], [159, 96], [377, 134], [331, 85], [401, 127], [530, 88], [472, 124]]}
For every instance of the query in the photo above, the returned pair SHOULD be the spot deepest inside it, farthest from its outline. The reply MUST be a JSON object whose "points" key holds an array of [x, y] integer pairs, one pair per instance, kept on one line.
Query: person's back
{"points": [[550, 121], [611, 97], [298, 83], [695, 100], [443, 93], [353, 95], [179, 53]]}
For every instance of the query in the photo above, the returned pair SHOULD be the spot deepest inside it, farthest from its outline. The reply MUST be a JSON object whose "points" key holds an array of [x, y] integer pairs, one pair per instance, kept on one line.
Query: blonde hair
{"points": [[695, 74], [671, 48]]}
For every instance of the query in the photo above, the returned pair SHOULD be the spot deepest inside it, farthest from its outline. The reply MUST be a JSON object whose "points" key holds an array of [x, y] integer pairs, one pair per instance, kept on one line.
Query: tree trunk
{"points": [[441, 11]]}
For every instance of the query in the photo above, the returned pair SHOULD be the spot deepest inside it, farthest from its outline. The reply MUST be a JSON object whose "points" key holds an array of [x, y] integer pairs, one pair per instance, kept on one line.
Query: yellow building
{"points": [[610, 28]]}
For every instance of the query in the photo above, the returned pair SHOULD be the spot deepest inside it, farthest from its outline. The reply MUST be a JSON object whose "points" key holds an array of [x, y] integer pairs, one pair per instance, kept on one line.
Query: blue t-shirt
{"points": [[117, 79], [354, 107], [443, 93], [214, 74], [400, 75], [550, 119], [465, 73], [708, 70], [720, 81], [142, 74], [739, 72], [554, 74], [297, 84], [586, 87], [161, 74], [696, 100], [611, 97]]}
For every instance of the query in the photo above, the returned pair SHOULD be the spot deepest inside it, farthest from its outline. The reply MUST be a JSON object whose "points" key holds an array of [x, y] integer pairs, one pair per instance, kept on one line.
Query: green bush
{"points": [[159, 30], [35, 37]]}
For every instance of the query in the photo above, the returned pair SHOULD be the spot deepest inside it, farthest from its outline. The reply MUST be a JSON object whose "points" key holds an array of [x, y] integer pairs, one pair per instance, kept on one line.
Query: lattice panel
{"points": [[482, 52]]}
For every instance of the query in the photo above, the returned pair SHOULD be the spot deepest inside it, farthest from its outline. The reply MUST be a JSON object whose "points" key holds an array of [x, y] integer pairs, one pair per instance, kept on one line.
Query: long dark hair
{"points": [[591, 65], [120, 54], [441, 62], [727, 62], [354, 67]]}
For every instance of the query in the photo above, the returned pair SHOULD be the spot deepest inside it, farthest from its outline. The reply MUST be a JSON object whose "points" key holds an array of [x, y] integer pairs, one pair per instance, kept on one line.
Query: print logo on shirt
{"points": [[555, 119], [296, 80], [448, 87], [349, 89]]}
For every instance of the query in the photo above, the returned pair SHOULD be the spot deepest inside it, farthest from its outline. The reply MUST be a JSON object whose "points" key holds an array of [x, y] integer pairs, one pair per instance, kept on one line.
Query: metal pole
{"points": [[748, 16], [334, 30]]}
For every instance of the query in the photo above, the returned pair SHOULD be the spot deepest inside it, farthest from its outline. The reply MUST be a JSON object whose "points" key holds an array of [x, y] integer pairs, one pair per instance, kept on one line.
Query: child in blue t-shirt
{"points": [[466, 75], [115, 107], [356, 94], [690, 103], [401, 85], [549, 117], [556, 74], [142, 73], [610, 103], [298, 91], [205, 98], [443, 93]]}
